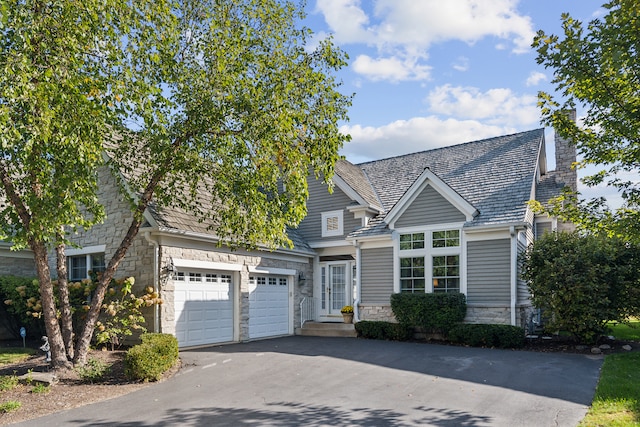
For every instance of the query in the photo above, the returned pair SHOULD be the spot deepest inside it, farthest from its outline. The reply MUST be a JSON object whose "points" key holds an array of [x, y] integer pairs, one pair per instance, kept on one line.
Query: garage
{"points": [[203, 303], [268, 305]]}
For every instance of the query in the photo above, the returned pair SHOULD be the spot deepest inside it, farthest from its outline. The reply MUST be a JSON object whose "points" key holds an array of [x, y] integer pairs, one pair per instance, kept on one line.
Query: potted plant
{"points": [[347, 313]]}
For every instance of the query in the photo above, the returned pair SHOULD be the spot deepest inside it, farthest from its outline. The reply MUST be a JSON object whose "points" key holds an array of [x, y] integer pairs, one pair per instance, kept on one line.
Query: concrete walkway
{"points": [[316, 381]]}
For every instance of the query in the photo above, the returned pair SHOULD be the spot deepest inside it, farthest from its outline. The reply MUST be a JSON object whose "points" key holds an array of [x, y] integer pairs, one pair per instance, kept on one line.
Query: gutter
{"points": [[357, 297], [514, 273], [156, 279]]}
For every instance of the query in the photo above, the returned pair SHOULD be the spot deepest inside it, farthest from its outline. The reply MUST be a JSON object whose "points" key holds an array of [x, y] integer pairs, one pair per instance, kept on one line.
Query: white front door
{"points": [[335, 290]]}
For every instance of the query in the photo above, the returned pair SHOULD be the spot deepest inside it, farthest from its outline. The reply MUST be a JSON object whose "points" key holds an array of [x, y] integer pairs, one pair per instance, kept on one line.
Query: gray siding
{"points": [[376, 275], [488, 276], [321, 201], [429, 208], [523, 289]]}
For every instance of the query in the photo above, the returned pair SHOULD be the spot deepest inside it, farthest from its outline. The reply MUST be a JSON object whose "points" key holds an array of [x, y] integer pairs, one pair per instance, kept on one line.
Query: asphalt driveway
{"points": [[314, 381]]}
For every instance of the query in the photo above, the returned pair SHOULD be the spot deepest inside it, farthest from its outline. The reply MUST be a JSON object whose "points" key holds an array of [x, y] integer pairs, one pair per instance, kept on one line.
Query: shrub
{"points": [[8, 382], [8, 406], [94, 370], [481, 335], [21, 299], [379, 330], [433, 312], [149, 360], [582, 282], [40, 388]]}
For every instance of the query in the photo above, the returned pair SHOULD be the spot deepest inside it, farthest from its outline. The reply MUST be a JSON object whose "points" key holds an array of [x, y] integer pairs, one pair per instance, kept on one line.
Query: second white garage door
{"points": [[203, 304], [268, 306]]}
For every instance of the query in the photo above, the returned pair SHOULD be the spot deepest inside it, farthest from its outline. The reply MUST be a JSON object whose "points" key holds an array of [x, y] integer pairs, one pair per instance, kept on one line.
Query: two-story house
{"points": [[451, 219]]}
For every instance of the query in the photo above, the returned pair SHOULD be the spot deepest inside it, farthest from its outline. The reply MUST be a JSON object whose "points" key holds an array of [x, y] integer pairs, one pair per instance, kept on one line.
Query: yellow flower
{"points": [[8, 302], [347, 309]]}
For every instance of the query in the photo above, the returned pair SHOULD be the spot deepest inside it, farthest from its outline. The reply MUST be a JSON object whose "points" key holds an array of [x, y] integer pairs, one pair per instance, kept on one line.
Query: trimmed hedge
{"points": [[379, 330], [433, 312], [149, 360], [483, 335]]}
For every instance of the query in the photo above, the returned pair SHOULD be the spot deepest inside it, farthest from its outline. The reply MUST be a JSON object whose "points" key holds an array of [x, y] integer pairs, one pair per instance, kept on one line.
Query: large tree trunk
{"points": [[66, 317], [58, 354]]}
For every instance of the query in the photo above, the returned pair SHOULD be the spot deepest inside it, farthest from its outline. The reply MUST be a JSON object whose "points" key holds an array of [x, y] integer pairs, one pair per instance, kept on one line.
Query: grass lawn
{"points": [[617, 398], [14, 354], [624, 332]]}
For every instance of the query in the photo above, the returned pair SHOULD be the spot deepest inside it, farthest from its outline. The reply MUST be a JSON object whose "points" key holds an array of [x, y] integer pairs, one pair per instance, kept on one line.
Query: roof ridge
{"points": [[447, 147]]}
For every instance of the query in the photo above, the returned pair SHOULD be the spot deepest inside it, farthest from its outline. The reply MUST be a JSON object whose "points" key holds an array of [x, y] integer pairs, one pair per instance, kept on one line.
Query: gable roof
{"points": [[358, 184], [494, 175]]}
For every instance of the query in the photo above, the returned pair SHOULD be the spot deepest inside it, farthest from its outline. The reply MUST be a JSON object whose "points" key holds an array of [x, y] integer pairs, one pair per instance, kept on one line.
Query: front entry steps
{"points": [[327, 329]]}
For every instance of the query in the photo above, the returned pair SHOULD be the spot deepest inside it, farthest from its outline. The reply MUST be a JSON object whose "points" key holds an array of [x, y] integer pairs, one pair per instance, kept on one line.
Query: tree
{"points": [[582, 282], [596, 68], [183, 96]]}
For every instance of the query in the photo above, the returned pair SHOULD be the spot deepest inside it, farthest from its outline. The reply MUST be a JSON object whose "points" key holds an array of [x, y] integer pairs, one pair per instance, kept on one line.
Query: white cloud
{"points": [[346, 19], [413, 135], [461, 64], [392, 69], [406, 29], [535, 77], [495, 106]]}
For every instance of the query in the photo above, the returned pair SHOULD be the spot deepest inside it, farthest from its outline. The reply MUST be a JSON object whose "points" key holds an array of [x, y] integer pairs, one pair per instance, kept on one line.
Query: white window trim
{"points": [[339, 214], [428, 253], [87, 252]]}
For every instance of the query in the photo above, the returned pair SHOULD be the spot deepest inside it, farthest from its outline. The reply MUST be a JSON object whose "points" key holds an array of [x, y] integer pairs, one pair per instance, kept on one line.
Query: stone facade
{"points": [[381, 312], [485, 314], [565, 158], [18, 263], [240, 280], [139, 259]]}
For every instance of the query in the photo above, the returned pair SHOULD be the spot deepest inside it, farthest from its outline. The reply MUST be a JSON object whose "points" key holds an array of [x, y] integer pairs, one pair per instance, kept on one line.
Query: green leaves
{"points": [[581, 282], [597, 68]]}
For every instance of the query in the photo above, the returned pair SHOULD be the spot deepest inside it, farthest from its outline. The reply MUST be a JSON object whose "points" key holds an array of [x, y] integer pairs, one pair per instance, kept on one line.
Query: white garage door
{"points": [[203, 308], [268, 306]]}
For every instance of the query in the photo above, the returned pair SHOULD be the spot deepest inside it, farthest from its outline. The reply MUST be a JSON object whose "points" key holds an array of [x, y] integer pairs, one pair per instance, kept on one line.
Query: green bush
{"points": [[433, 312], [582, 282], [149, 360], [94, 370], [20, 297], [482, 335], [379, 330]]}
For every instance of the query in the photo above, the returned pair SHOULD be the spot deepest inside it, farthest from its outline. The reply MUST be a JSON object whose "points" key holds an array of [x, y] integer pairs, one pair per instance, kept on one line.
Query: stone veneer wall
{"points": [[17, 266], [380, 312], [246, 260], [491, 315], [138, 261]]}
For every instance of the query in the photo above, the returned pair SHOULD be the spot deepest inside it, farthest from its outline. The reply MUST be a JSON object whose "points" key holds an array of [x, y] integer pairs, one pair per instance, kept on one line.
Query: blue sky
{"points": [[431, 73]]}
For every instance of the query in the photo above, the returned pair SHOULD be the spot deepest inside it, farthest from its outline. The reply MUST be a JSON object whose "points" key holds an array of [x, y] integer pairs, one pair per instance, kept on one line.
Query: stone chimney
{"points": [[565, 157]]}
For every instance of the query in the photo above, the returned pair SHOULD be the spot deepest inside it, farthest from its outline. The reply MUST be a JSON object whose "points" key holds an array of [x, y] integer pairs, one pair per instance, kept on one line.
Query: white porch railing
{"points": [[308, 309]]}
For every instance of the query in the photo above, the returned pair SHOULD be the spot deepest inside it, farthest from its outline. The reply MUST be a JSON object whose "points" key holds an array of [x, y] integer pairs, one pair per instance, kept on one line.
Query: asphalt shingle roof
{"points": [[494, 175], [358, 181]]}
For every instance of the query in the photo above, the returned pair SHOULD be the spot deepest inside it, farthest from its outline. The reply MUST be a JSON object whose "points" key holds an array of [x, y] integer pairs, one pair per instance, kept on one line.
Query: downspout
{"points": [[356, 302], [156, 280], [514, 273]]}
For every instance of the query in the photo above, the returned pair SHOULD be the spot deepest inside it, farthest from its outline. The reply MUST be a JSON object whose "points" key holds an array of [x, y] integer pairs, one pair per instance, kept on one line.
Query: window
{"points": [[79, 266], [446, 273], [411, 241], [430, 261], [332, 223], [446, 238], [412, 277]]}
